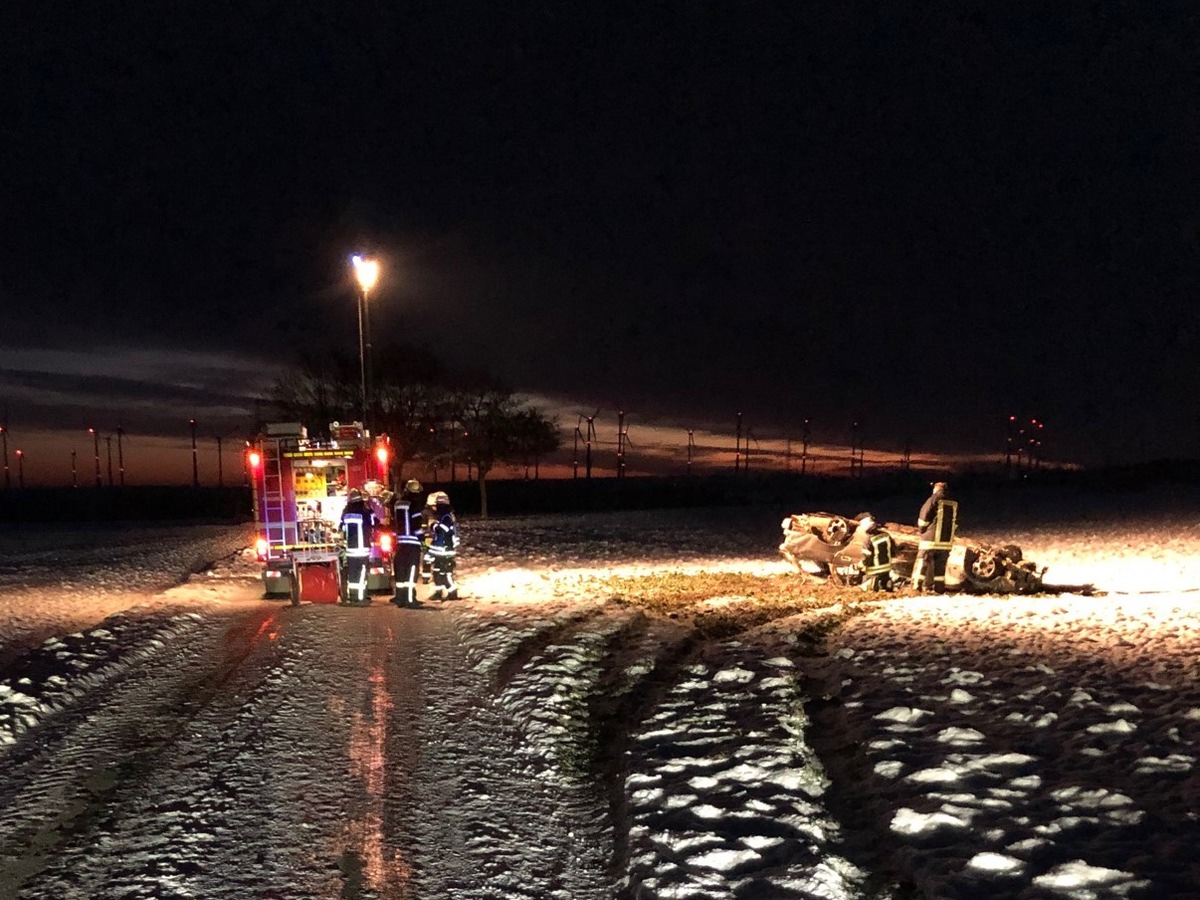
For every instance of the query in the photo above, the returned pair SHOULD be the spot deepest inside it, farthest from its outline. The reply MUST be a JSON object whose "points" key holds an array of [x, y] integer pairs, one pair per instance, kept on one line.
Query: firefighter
{"points": [[411, 493], [419, 515], [358, 525], [428, 513], [937, 522], [443, 546], [877, 552], [866, 557], [377, 497], [410, 550]]}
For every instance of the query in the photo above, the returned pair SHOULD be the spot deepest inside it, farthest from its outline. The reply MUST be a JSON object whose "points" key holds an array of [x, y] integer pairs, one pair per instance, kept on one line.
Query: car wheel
{"points": [[836, 531], [984, 570]]}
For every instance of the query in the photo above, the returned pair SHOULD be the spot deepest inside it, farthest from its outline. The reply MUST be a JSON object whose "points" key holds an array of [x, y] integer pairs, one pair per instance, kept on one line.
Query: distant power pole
{"points": [[1010, 440], [737, 451], [575, 452], [691, 446], [220, 464], [805, 437], [856, 451], [96, 452], [4, 438], [108, 446], [757, 447], [195, 460], [74, 472], [121, 454], [21, 469]]}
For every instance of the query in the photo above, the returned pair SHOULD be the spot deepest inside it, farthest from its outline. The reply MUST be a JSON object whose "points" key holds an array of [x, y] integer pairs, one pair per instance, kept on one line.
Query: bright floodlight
{"points": [[366, 271]]}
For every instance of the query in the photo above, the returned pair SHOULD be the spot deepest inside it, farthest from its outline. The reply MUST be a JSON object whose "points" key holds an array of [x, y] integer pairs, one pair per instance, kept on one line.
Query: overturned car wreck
{"points": [[821, 546]]}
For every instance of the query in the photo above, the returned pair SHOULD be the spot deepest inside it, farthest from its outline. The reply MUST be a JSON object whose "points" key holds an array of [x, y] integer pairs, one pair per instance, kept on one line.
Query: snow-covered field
{"points": [[1023, 747]]}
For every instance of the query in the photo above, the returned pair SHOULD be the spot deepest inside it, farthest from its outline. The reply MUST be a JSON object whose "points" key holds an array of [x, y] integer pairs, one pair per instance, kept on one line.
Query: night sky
{"points": [[923, 218]]}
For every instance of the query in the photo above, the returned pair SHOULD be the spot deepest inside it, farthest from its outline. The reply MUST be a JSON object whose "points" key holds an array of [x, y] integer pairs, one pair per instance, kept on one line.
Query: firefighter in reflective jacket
{"points": [[877, 552], [937, 521], [866, 558], [358, 526], [406, 561], [443, 546], [418, 516]]}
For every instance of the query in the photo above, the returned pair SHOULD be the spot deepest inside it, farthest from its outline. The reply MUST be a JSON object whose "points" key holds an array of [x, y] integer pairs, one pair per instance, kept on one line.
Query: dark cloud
{"points": [[142, 392]]}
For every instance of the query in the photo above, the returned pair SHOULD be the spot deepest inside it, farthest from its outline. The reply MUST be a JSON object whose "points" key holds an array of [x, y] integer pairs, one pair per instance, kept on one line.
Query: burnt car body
{"points": [[820, 546]]}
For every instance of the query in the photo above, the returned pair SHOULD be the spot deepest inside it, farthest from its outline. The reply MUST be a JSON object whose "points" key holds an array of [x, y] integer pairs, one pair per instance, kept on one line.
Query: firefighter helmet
{"points": [[440, 497], [355, 494], [412, 486]]}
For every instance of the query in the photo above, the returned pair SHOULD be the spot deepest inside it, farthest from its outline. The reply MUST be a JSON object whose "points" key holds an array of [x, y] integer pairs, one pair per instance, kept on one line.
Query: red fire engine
{"points": [[300, 487]]}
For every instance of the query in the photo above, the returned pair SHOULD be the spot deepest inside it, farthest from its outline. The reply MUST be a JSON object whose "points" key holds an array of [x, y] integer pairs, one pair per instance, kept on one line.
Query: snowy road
{"points": [[546, 738], [318, 752]]}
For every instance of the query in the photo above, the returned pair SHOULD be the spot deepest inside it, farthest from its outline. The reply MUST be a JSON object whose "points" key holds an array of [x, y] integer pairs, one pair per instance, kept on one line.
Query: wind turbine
{"points": [[757, 447], [587, 439], [623, 443]]}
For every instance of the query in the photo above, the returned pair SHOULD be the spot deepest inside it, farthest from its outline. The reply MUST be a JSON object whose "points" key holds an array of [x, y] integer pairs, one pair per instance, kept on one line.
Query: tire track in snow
{"points": [[724, 796], [71, 786], [494, 803]]}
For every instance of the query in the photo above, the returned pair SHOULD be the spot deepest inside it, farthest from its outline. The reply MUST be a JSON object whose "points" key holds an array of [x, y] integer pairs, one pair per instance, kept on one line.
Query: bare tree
{"points": [[537, 436], [427, 413], [323, 388], [498, 428]]}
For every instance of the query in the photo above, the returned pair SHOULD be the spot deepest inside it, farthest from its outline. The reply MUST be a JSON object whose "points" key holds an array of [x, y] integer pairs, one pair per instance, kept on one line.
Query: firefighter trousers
{"points": [[442, 564], [929, 572], [406, 569], [355, 574]]}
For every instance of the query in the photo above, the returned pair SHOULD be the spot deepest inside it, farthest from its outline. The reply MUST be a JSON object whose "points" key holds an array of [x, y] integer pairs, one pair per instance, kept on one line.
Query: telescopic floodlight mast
{"points": [[366, 270]]}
